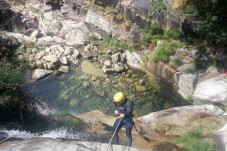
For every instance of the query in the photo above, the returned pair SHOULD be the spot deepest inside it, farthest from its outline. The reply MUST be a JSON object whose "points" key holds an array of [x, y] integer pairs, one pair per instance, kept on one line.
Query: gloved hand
{"points": [[121, 116], [116, 112]]}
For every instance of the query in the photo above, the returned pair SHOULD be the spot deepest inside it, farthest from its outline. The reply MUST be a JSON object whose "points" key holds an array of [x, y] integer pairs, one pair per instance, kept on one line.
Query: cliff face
{"points": [[144, 12]]}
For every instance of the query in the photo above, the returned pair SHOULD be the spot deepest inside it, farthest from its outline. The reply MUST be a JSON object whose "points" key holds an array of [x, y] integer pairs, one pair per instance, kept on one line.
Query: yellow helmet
{"points": [[119, 97]]}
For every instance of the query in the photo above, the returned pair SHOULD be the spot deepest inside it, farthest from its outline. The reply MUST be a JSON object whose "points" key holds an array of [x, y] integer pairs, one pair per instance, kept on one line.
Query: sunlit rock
{"points": [[39, 73], [47, 144], [98, 23], [179, 116], [220, 137], [186, 85], [51, 58], [213, 90], [119, 67], [20, 37], [75, 34], [64, 69], [46, 40], [133, 59], [39, 64]]}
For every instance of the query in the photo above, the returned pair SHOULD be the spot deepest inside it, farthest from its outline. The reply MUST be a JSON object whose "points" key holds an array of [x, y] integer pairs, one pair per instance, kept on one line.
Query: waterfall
{"points": [[60, 133]]}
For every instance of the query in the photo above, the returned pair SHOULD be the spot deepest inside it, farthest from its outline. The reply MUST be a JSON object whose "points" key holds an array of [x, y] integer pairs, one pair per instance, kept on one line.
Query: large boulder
{"points": [[213, 90], [20, 37], [75, 34], [134, 59], [220, 137], [97, 23], [186, 85], [178, 116], [141, 13]]}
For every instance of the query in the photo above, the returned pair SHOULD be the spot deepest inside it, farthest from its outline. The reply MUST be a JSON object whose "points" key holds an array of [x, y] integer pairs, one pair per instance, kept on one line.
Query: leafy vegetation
{"points": [[159, 8], [189, 71], [177, 62], [211, 18], [113, 45], [10, 83], [15, 105], [156, 32], [172, 34], [163, 52], [193, 141], [201, 64]]}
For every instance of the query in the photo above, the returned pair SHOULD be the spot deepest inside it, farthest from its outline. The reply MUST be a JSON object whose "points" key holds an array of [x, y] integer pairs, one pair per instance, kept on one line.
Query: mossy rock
{"points": [[89, 68]]}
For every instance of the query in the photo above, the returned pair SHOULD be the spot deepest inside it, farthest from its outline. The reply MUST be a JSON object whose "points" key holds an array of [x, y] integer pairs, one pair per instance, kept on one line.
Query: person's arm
{"points": [[115, 109], [129, 109]]}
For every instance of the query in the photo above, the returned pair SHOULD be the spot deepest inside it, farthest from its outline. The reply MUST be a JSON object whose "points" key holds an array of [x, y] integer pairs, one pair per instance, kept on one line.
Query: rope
{"points": [[113, 134], [5, 139], [140, 133]]}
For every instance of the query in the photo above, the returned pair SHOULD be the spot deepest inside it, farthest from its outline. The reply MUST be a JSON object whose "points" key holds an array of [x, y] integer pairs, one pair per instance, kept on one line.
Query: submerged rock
{"points": [[39, 73], [89, 68]]}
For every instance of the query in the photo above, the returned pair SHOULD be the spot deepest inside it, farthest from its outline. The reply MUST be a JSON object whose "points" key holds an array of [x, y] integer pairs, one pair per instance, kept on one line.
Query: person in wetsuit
{"points": [[123, 110]]}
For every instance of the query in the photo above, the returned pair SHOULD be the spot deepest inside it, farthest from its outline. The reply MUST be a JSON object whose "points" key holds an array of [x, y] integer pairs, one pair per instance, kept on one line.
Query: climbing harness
{"points": [[113, 134]]}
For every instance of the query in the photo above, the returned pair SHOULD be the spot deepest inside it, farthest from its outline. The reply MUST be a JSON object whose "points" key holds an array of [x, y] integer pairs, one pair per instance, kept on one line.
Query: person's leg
{"points": [[128, 126], [120, 125]]}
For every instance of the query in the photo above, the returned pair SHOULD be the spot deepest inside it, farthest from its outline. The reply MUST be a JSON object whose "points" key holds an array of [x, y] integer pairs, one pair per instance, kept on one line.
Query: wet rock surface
{"points": [[40, 144]]}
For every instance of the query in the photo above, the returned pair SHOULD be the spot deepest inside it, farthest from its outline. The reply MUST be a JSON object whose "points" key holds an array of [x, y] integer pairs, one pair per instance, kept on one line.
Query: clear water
{"points": [[77, 92]]}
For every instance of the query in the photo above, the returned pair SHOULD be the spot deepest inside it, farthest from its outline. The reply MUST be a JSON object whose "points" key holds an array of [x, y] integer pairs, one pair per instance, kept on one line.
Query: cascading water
{"points": [[55, 134]]}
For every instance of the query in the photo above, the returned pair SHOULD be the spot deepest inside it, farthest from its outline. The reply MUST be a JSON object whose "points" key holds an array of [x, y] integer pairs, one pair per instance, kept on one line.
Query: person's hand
{"points": [[121, 116], [116, 112]]}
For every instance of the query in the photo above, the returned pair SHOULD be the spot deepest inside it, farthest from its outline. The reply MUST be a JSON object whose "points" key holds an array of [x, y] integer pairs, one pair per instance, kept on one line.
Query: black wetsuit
{"points": [[125, 108]]}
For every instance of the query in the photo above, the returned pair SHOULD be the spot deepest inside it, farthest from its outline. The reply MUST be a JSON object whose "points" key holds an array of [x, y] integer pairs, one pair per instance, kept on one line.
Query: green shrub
{"points": [[119, 18], [162, 53], [159, 8], [192, 141], [210, 23], [189, 71], [202, 48], [188, 40], [177, 62], [201, 64], [112, 44], [156, 29], [172, 34], [10, 74], [15, 105], [154, 32]]}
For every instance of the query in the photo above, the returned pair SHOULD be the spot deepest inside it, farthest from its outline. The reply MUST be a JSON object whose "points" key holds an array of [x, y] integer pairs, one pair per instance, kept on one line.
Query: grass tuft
{"points": [[193, 141]]}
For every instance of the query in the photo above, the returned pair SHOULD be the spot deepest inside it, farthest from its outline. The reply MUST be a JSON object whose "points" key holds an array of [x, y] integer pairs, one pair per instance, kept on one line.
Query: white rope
{"points": [[113, 135]]}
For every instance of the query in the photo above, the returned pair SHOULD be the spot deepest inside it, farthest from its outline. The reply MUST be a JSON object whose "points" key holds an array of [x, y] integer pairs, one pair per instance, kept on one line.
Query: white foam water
{"points": [[56, 133]]}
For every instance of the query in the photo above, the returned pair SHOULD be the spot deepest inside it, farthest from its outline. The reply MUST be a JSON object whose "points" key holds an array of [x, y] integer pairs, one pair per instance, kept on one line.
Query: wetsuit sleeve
{"points": [[115, 106], [129, 109]]}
